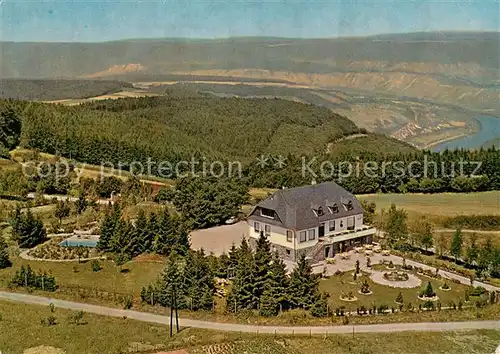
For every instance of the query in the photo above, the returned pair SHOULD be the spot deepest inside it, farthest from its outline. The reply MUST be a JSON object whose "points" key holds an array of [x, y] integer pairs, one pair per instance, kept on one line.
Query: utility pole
{"points": [[176, 314], [171, 314]]}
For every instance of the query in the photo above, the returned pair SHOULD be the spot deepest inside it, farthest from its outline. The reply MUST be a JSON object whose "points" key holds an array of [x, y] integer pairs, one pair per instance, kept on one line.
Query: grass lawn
{"points": [[442, 204], [384, 295], [99, 334], [139, 274], [22, 329]]}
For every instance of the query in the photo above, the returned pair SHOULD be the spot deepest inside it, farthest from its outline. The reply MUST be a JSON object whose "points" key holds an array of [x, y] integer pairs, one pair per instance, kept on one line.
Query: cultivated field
{"points": [[442, 204]]}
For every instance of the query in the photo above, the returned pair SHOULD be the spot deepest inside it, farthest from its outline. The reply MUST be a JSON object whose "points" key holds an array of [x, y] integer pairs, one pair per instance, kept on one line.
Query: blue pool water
{"points": [[77, 243], [489, 130]]}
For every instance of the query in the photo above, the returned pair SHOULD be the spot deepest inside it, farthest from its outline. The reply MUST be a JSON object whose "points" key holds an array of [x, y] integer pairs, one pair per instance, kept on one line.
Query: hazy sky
{"points": [[90, 20]]}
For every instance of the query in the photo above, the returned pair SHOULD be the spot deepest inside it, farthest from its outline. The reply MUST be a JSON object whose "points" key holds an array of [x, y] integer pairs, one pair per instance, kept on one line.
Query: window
{"points": [[334, 209], [256, 227], [311, 234], [268, 213], [331, 225], [350, 223], [319, 211], [289, 235], [268, 230], [288, 252], [341, 223], [302, 236]]}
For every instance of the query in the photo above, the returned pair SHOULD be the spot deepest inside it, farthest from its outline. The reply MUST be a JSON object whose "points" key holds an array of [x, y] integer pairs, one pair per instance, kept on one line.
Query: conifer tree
{"points": [[262, 264], [165, 240], [121, 240], [170, 281], [140, 233], [107, 228], [151, 233], [303, 287], [4, 254], [233, 261], [27, 230], [182, 243], [242, 292], [275, 295]]}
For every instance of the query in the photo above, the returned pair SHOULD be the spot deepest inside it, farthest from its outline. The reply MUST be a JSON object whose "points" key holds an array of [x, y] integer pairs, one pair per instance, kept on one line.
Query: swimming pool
{"points": [[71, 242]]}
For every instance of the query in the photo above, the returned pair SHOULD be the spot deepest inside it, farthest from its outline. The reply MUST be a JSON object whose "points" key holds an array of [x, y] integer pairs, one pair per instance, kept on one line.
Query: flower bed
{"points": [[348, 297], [51, 250], [396, 276]]}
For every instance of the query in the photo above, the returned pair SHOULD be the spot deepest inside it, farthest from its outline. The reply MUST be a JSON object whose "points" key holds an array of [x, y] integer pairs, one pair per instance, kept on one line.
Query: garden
{"points": [[51, 250]]}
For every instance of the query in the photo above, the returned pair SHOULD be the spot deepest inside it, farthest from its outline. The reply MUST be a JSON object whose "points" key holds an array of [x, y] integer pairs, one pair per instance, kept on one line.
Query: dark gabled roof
{"points": [[295, 207]]}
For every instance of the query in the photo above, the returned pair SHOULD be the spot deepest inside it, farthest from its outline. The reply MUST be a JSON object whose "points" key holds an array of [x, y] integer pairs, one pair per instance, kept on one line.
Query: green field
{"points": [[22, 329], [442, 204]]}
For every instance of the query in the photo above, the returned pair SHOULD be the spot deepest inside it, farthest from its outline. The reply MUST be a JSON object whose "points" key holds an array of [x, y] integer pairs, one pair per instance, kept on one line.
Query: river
{"points": [[489, 130]]}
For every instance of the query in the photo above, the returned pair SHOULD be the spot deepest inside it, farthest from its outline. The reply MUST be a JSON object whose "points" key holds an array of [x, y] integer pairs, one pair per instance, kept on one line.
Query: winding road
{"points": [[165, 320]]}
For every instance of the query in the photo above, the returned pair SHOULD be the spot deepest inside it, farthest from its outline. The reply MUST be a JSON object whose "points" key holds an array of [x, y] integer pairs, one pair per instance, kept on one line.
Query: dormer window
{"points": [[267, 213], [348, 205], [334, 209], [318, 211]]}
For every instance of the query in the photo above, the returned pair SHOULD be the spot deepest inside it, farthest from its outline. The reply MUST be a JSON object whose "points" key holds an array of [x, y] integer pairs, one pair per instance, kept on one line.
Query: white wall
{"points": [[278, 234]]}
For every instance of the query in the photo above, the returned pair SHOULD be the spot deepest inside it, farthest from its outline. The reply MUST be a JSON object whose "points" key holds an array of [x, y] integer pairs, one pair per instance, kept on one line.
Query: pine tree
{"points": [[140, 234], [303, 287], [27, 230], [151, 234], [107, 228], [182, 243], [262, 263], [170, 281], [242, 292], [233, 261], [165, 239], [320, 307], [268, 303], [4, 254], [121, 240]]}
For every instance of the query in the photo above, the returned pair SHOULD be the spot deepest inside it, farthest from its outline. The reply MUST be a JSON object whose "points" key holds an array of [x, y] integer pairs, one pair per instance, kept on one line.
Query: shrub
{"points": [[96, 266], [428, 291], [391, 265], [365, 288], [382, 309], [77, 318], [51, 320], [477, 291], [429, 305], [399, 298], [128, 302], [445, 286]]}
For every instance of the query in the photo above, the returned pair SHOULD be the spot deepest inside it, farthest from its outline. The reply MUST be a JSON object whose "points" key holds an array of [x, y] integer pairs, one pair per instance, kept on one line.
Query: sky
{"points": [[105, 20]]}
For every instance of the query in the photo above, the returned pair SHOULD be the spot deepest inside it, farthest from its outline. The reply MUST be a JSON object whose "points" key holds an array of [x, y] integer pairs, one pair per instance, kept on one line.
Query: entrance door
{"points": [[321, 230], [327, 251]]}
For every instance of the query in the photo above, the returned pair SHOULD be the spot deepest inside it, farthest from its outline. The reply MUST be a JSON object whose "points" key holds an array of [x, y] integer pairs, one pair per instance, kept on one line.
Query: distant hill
{"points": [[163, 56], [46, 90]]}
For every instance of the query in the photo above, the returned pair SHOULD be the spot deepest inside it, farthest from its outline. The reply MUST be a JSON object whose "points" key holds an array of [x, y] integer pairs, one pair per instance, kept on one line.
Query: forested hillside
{"points": [[184, 124], [47, 90], [10, 127]]}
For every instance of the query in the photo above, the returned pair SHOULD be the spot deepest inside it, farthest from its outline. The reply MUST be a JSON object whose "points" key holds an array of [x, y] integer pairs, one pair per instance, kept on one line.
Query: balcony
{"points": [[339, 236]]}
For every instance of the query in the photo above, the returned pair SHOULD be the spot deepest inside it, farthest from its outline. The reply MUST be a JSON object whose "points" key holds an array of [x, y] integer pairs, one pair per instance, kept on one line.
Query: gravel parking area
{"points": [[220, 238]]}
